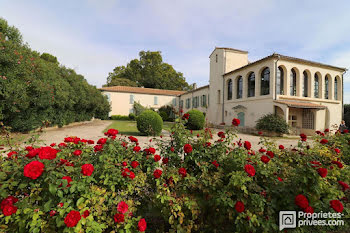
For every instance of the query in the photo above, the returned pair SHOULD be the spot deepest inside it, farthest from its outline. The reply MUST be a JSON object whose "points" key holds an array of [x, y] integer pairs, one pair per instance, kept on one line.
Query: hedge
{"points": [[196, 120], [35, 88], [149, 123], [272, 123]]}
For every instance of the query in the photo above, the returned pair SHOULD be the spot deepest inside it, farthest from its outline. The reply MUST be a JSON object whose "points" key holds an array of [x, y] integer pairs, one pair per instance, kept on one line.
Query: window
{"points": [[195, 102], [305, 82], [251, 85], [108, 97], [336, 88], [229, 89], [204, 101], [188, 103], [156, 100], [265, 82], [316, 86], [308, 119], [216, 58], [181, 104], [280, 81], [239, 87], [174, 102], [131, 99], [219, 95], [326, 84], [293, 83]]}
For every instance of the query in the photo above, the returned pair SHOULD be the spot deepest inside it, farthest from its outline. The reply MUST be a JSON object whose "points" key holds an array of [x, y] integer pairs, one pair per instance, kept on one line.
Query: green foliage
{"points": [[149, 71], [196, 120], [120, 118], [138, 108], [34, 88], [346, 114], [149, 123], [216, 179], [132, 116], [272, 123], [167, 113]]}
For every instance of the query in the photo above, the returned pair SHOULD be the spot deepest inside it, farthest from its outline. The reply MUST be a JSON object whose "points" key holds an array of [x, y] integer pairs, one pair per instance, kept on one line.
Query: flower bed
{"points": [[188, 184]]}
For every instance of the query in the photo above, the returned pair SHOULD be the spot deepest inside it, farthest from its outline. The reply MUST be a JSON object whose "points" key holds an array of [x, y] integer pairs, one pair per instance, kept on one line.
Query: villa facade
{"points": [[307, 94]]}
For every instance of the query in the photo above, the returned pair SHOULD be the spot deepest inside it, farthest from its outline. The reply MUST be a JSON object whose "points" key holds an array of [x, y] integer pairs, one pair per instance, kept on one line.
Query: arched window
{"points": [[316, 86], [251, 84], [229, 89], [336, 88], [265, 82], [280, 81], [239, 87], [293, 83], [305, 82], [326, 84]]}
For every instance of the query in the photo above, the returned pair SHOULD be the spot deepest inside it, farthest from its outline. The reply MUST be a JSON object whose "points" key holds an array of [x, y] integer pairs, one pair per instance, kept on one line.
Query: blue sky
{"points": [[94, 36]]}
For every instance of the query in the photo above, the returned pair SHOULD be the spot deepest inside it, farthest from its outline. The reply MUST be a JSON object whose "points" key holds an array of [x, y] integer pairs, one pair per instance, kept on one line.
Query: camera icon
{"points": [[287, 219]]}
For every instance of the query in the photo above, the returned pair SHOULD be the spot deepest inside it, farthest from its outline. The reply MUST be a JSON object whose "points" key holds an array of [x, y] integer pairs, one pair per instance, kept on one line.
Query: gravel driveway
{"points": [[93, 130]]}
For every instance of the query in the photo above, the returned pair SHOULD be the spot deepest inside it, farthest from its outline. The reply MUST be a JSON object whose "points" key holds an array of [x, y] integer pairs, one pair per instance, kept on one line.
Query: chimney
{"points": [[194, 85]]}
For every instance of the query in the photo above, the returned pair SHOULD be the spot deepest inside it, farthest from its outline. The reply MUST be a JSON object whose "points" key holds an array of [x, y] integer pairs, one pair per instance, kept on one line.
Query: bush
{"points": [[138, 108], [167, 113], [272, 123], [197, 182], [120, 118], [132, 116], [149, 123], [164, 116], [196, 120]]}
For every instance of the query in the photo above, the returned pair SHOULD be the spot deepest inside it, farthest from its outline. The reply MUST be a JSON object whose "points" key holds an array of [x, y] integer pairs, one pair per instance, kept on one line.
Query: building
{"points": [[307, 94], [122, 98]]}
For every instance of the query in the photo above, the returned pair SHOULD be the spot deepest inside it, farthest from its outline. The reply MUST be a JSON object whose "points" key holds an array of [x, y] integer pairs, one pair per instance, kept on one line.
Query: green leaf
{"points": [[47, 206], [52, 189], [80, 201]]}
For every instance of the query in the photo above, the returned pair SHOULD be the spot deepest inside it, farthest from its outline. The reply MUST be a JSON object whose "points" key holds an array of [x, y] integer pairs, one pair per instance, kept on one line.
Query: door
{"points": [[240, 116]]}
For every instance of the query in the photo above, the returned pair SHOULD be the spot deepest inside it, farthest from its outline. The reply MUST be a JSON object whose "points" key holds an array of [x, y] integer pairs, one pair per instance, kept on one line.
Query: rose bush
{"points": [[185, 183]]}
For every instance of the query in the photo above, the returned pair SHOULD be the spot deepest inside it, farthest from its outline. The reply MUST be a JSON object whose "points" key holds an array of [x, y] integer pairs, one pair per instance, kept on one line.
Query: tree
{"points": [[149, 71], [50, 58]]}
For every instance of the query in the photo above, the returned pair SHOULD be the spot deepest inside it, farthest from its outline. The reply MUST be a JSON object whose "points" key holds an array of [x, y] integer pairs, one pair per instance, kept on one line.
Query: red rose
{"points": [[90, 142], [280, 179], [337, 150], [53, 213], [77, 152], [132, 175], [315, 163], [260, 132], [249, 169], [157, 158], [68, 139], [165, 160], [344, 185], [33, 169], [136, 148], [301, 201], [262, 150], [215, 163], [337, 205], [157, 173], [118, 218], [326, 130], [172, 149], [69, 179], [111, 132], [87, 169], [324, 141], [236, 122], [183, 172], [151, 150], [303, 137], [221, 135], [32, 153], [102, 141], [134, 164], [345, 131], [239, 206], [9, 155], [339, 164], [281, 147], [265, 159], [60, 204], [72, 218], [322, 172], [187, 148], [86, 214], [142, 225], [122, 207], [207, 144], [62, 145], [247, 145], [309, 209], [28, 148], [9, 210], [124, 164], [270, 153], [47, 153], [186, 116], [133, 139], [10, 200]]}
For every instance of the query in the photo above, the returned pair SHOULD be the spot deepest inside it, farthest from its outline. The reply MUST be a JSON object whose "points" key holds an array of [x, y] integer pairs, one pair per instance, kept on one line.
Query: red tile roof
{"points": [[300, 104], [142, 90]]}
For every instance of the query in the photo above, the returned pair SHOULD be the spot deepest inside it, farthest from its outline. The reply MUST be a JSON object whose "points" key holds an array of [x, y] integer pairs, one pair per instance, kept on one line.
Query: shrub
{"points": [[272, 123], [138, 108], [117, 186], [163, 115], [149, 123], [132, 116], [120, 118], [196, 120], [167, 113]]}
